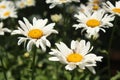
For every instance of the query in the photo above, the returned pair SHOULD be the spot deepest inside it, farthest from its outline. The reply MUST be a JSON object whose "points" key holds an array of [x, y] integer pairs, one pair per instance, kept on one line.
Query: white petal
{"points": [[92, 70], [52, 6], [28, 24], [43, 47], [63, 49], [70, 67], [53, 59], [1, 24], [23, 26], [29, 45], [34, 20], [40, 23], [81, 66], [37, 43], [21, 40], [6, 30], [46, 42], [73, 46], [2, 33]]}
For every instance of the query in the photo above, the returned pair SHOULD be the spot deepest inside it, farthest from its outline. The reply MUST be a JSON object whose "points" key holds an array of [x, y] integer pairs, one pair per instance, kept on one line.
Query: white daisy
{"points": [[92, 22], [56, 17], [78, 55], [94, 37], [2, 30], [20, 4], [5, 4], [94, 4], [59, 2], [111, 8], [36, 33], [8, 12], [30, 2], [25, 3], [7, 9]]}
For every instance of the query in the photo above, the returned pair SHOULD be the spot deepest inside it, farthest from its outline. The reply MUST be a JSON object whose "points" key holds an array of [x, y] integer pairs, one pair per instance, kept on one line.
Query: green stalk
{"points": [[72, 75], [109, 48], [33, 65], [4, 72]]}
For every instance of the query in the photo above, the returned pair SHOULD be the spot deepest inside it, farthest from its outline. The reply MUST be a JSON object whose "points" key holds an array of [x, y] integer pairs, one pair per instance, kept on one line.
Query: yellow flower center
{"points": [[22, 4], [29, 1], [7, 13], [63, 1], [93, 23], [96, 1], [35, 33], [95, 7], [2, 6], [74, 57], [117, 10]]}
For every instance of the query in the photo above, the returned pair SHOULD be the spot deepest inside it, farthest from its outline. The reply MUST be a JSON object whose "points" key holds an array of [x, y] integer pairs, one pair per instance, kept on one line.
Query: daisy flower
{"points": [[4, 4], [108, 6], [56, 17], [94, 4], [8, 12], [20, 4], [35, 33], [2, 30], [59, 2], [7, 9], [25, 3], [30, 2], [77, 56], [93, 22]]}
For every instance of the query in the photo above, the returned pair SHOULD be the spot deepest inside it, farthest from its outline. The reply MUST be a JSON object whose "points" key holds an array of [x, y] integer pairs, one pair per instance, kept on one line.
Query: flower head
{"points": [[108, 6], [59, 2], [36, 33], [5, 4], [78, 55], [7, 9], [94, 4], [20, 4], [30, 2], [25, 3], [8, 12], [92, 22], [2, 30], [56, 17]]}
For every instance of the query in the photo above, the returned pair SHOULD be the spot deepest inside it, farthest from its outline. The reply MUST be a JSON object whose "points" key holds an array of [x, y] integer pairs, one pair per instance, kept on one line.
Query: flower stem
{"points": [[72, 75], [33, 65], [109, 48], [4, 72]]}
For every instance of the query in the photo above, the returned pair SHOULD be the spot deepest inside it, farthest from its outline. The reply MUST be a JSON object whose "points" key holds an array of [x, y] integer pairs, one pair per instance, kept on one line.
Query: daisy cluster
{"points": [[92, 17], [24, 3], [7, 9]]}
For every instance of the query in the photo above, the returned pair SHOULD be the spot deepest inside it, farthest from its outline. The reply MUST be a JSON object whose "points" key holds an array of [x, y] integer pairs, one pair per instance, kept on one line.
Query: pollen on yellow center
{"points": [[63, 1], [117, 10], [29, 1], [96, 1], [2, 6], [74, 57], [22, 4], [93, 23], [7, 13], [35, 33], [95, 7]]}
